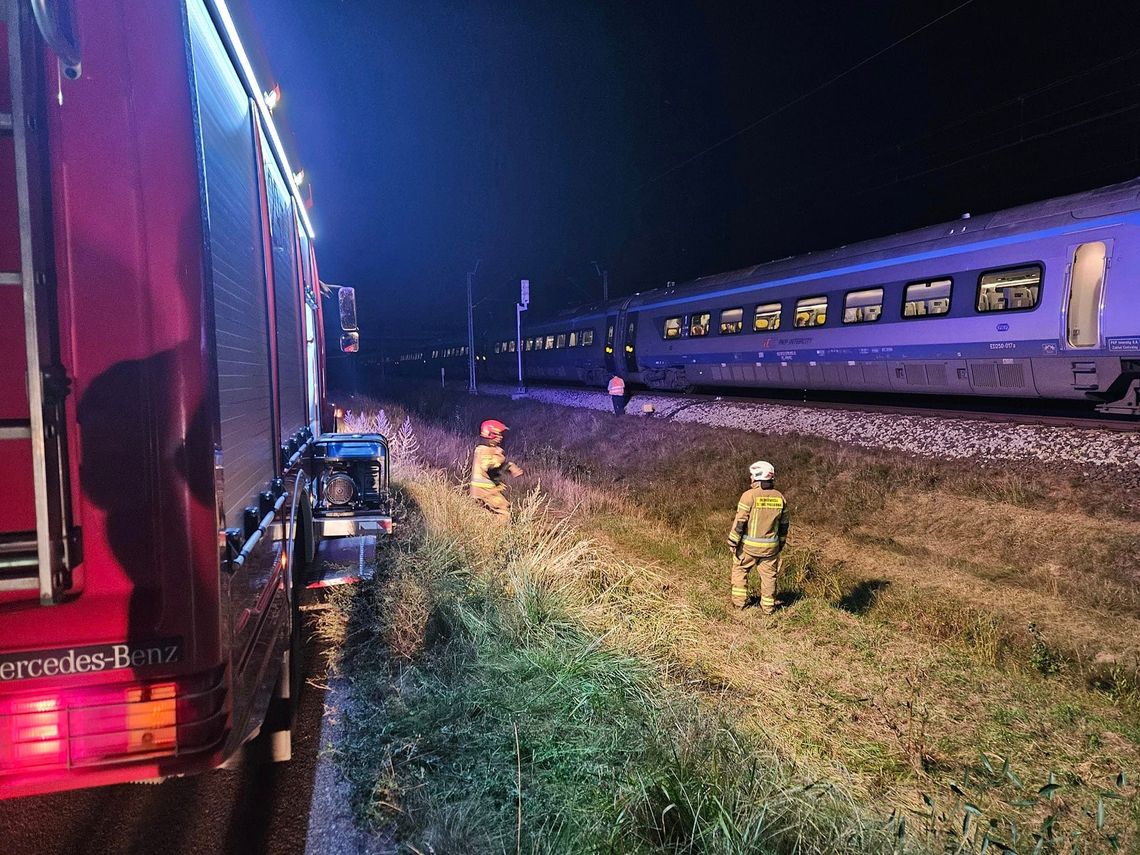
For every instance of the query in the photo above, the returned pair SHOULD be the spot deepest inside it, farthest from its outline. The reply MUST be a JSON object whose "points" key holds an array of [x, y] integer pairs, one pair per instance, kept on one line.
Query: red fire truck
{"points": [[166, 478]]}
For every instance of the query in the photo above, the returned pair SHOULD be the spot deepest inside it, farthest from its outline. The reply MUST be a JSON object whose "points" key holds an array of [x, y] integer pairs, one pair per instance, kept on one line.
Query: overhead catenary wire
{"points": [[995, 149], [963, 150], [895, 150], [804, 96]]}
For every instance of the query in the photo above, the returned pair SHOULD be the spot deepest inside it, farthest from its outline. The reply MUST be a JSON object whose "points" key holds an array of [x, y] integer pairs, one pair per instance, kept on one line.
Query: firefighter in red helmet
{"points": [[488, 466]]}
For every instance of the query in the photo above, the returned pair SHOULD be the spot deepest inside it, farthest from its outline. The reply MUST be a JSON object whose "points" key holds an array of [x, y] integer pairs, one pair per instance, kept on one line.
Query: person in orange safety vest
{"points": [[618, 397], [488, 466], [757, 536]]}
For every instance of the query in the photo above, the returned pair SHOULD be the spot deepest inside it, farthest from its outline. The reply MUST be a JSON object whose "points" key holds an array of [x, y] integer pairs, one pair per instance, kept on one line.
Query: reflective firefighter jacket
{"points": [[761, 524], [488, 465]]}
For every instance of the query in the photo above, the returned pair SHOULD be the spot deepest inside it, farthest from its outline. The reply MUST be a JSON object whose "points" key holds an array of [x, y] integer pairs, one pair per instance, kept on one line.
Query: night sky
{"points": [[540, 137]]}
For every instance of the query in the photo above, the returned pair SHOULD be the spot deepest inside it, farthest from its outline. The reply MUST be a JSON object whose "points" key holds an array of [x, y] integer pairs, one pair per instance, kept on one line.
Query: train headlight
{"points": [[339, 489]]}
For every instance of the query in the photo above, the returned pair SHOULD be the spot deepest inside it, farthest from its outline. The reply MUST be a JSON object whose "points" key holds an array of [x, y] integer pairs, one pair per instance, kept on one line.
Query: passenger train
{"points": [[1040, 301]]}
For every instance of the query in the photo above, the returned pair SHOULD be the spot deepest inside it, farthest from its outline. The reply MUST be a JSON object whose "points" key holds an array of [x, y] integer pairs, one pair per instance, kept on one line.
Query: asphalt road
{"points": [[263, 808]]}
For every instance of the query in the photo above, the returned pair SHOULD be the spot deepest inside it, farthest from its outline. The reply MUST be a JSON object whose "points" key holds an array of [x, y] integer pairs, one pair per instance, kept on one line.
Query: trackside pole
{"points": [[471, 333], [520, 307]]}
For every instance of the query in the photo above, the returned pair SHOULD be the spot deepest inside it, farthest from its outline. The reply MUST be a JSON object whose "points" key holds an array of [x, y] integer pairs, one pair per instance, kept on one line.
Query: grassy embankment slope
{"points": [[903, 669]]}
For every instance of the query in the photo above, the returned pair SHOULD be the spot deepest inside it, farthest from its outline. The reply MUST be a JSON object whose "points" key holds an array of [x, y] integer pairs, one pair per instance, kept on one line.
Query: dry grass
{"points": [[529, 695], [1053, 549], [904, 662]]}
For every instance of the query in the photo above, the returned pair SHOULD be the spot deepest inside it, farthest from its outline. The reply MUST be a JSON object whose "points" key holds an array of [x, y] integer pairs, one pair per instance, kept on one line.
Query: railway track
{"points": [[1007, 412], [1083, 420]]}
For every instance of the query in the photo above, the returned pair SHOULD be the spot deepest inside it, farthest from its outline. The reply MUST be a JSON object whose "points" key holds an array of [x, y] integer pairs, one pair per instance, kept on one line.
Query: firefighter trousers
{"points": [[493, 499], [742, 566]]}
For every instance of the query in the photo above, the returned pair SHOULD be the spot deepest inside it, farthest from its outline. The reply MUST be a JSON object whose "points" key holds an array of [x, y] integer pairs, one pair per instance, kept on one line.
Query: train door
{"points": [[630, 343], [1086, 291], [611, 341]]}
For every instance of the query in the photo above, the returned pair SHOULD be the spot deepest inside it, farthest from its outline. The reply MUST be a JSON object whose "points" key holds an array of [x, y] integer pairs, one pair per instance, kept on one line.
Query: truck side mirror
{"points": [[346, 298], [350, 342]]}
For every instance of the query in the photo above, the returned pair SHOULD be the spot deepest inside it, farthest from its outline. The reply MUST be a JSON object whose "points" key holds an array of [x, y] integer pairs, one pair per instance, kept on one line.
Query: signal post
{"points": [[520, 307]]}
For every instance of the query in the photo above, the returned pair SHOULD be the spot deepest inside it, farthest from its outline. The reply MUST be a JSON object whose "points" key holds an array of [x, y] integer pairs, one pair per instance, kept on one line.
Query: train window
{"points": [[923, 299], [863, 306], [767, 317], [587, 337], [699, 324], [1013, 288], [672, 328], [731, 321], [550, 342], [561, 341], [573, 342], [811, 312], [609, 338]]}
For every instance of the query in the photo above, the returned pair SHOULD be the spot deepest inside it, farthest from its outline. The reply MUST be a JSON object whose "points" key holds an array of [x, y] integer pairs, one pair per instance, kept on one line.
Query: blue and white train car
{"points": [[1040, 301]]}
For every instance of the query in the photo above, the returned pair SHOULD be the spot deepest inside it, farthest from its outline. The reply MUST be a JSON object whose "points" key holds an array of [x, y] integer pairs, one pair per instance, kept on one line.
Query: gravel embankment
{"points": [[928, 436]]}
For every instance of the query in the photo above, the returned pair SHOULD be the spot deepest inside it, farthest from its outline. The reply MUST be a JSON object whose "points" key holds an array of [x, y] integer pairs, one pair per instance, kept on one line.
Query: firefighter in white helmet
{"points": [[488, 466], [757, 536]]}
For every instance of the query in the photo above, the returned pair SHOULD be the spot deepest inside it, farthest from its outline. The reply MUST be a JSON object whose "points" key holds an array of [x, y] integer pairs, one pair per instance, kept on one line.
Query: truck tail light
{"points": [[94, 725]]}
